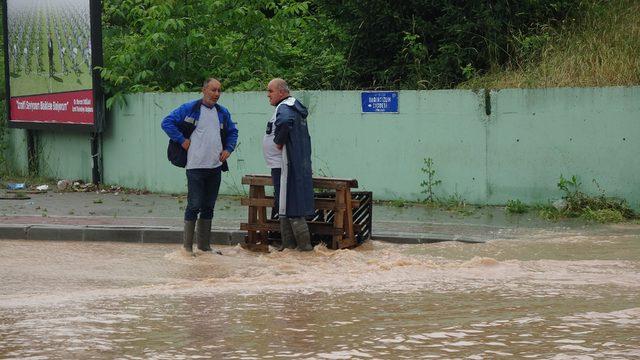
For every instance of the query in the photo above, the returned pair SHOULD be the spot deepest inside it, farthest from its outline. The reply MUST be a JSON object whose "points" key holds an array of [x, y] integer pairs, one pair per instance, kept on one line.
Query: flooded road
{"points": [[574, 296]]}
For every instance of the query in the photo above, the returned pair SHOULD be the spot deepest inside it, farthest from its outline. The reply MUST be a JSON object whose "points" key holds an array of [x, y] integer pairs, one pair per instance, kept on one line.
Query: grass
{"points": [[516, 207], [603, 215], [397, 203], [453, 203], [21, 195], [548, 212], [601, 49]]}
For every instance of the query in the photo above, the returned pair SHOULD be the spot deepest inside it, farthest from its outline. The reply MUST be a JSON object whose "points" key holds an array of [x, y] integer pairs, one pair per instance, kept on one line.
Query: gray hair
{"points": [[208, 80], [281, 85]]}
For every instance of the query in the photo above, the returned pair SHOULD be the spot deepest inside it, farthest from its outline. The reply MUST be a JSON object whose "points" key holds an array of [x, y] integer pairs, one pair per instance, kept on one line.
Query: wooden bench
{"points": [[339, 203]]}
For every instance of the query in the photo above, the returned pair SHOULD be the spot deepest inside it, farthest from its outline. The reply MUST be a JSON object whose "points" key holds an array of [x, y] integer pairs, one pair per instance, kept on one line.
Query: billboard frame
{"points": [[95, 19]]}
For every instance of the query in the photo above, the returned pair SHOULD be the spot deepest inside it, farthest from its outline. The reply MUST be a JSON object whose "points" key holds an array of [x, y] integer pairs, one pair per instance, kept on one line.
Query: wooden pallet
{"points": [[337, 206]]}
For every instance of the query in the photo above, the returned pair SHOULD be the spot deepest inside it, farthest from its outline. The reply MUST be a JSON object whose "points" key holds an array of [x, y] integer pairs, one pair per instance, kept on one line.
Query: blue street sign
{"points": [[385, 102]]}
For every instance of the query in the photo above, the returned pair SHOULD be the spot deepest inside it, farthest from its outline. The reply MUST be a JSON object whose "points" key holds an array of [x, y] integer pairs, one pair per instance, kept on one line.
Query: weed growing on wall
{"points": [[451, 203], [430, 182]]}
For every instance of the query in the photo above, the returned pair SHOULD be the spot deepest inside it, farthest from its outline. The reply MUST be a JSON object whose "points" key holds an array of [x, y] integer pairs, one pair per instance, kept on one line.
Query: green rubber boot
{"points": [[203, 235], [286, 234], [187, 235], [302, 234]]}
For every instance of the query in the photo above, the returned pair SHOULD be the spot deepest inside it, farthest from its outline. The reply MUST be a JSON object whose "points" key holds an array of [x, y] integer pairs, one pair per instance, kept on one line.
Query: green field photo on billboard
{"points": [[49, 46]]}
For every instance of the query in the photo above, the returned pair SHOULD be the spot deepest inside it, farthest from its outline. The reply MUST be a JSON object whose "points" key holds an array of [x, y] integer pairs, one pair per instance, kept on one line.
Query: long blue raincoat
{"points": [[296, 183]]}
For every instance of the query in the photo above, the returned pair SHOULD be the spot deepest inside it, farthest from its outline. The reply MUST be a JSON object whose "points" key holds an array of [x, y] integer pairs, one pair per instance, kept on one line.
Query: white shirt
{"points": [[206, 145], [273, 155]]}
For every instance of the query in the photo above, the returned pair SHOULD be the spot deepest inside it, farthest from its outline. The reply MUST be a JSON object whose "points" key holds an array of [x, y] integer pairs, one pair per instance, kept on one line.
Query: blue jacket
{"points": [[291, 130], [181, 122]]}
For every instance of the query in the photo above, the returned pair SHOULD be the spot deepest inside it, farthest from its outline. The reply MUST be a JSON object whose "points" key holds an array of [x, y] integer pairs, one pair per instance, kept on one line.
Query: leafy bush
{"points": [[599, 208], [578, 202]]}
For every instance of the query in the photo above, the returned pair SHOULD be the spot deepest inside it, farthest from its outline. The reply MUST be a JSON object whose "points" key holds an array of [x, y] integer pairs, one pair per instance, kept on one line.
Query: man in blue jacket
{"points": [[203, 136], [288, 154]]}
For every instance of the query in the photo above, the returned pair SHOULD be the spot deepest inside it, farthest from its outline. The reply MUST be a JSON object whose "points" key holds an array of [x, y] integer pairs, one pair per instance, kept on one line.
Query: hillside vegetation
{"points": [[171, 45], [600, 49]]}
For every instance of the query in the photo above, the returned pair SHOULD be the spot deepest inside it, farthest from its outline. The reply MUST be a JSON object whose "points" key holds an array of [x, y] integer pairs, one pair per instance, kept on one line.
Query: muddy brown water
{"points": [[544, 296]]}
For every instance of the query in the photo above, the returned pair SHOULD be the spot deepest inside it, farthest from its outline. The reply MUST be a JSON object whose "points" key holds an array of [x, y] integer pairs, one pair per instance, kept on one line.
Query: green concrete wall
{"points": [[518, 151], [536, 135], [64, 155], [16, 151]]}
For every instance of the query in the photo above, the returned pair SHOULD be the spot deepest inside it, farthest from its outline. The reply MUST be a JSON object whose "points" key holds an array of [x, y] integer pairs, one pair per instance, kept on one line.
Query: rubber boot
{"points": [[187, 235], [301, 233], [286, 234], [203, 235]]}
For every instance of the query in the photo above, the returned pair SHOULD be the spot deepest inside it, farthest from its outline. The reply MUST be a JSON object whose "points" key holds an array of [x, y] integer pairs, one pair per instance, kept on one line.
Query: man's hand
{"points": [[186, 144], [279, 146], [224, 155]]}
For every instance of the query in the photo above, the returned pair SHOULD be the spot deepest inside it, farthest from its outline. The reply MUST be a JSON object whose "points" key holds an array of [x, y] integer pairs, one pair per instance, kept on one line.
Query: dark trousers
{"points": [[202, 187], [275, 176]]}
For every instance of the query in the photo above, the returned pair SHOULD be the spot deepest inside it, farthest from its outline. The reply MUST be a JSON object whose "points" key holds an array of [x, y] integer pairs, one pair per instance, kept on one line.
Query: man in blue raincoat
{"points": [[289, 157]]}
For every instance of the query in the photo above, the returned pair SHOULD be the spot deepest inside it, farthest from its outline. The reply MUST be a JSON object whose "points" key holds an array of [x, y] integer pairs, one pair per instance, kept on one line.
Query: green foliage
{"points": [[516, 207], [2, 82], [455, 203], [548, 212], [578, 203], [397, 203], [159, 45], [153, 45], [427, 44], [603, 215], [598, 45], [430, 182], [598, 208], [452, 203]]}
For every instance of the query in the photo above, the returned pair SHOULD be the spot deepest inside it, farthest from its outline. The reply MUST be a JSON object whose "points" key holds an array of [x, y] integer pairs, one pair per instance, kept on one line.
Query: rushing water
{"points": [[569, 297]]}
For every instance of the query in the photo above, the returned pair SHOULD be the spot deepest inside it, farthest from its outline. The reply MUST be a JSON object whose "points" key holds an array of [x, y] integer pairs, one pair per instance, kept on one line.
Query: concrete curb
{"points": [[133, 234], [171, 235]]}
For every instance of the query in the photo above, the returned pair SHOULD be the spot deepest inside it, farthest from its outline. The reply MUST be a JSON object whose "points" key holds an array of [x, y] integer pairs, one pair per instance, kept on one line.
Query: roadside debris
{"points": [[16, 186]]}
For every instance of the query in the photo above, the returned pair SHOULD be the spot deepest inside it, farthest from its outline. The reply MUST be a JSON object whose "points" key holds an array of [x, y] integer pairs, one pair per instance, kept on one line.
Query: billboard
{"points": [[51, 50]]}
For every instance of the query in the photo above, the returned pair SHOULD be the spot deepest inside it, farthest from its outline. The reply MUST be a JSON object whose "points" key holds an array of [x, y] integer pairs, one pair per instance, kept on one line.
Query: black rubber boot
{"points": [[187, 235], [203, 235], [301, 233], [286, 234]]}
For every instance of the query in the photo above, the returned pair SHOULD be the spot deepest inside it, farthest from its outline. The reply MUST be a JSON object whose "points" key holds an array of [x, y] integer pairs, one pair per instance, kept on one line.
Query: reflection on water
{"points": [[541, 297]]}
